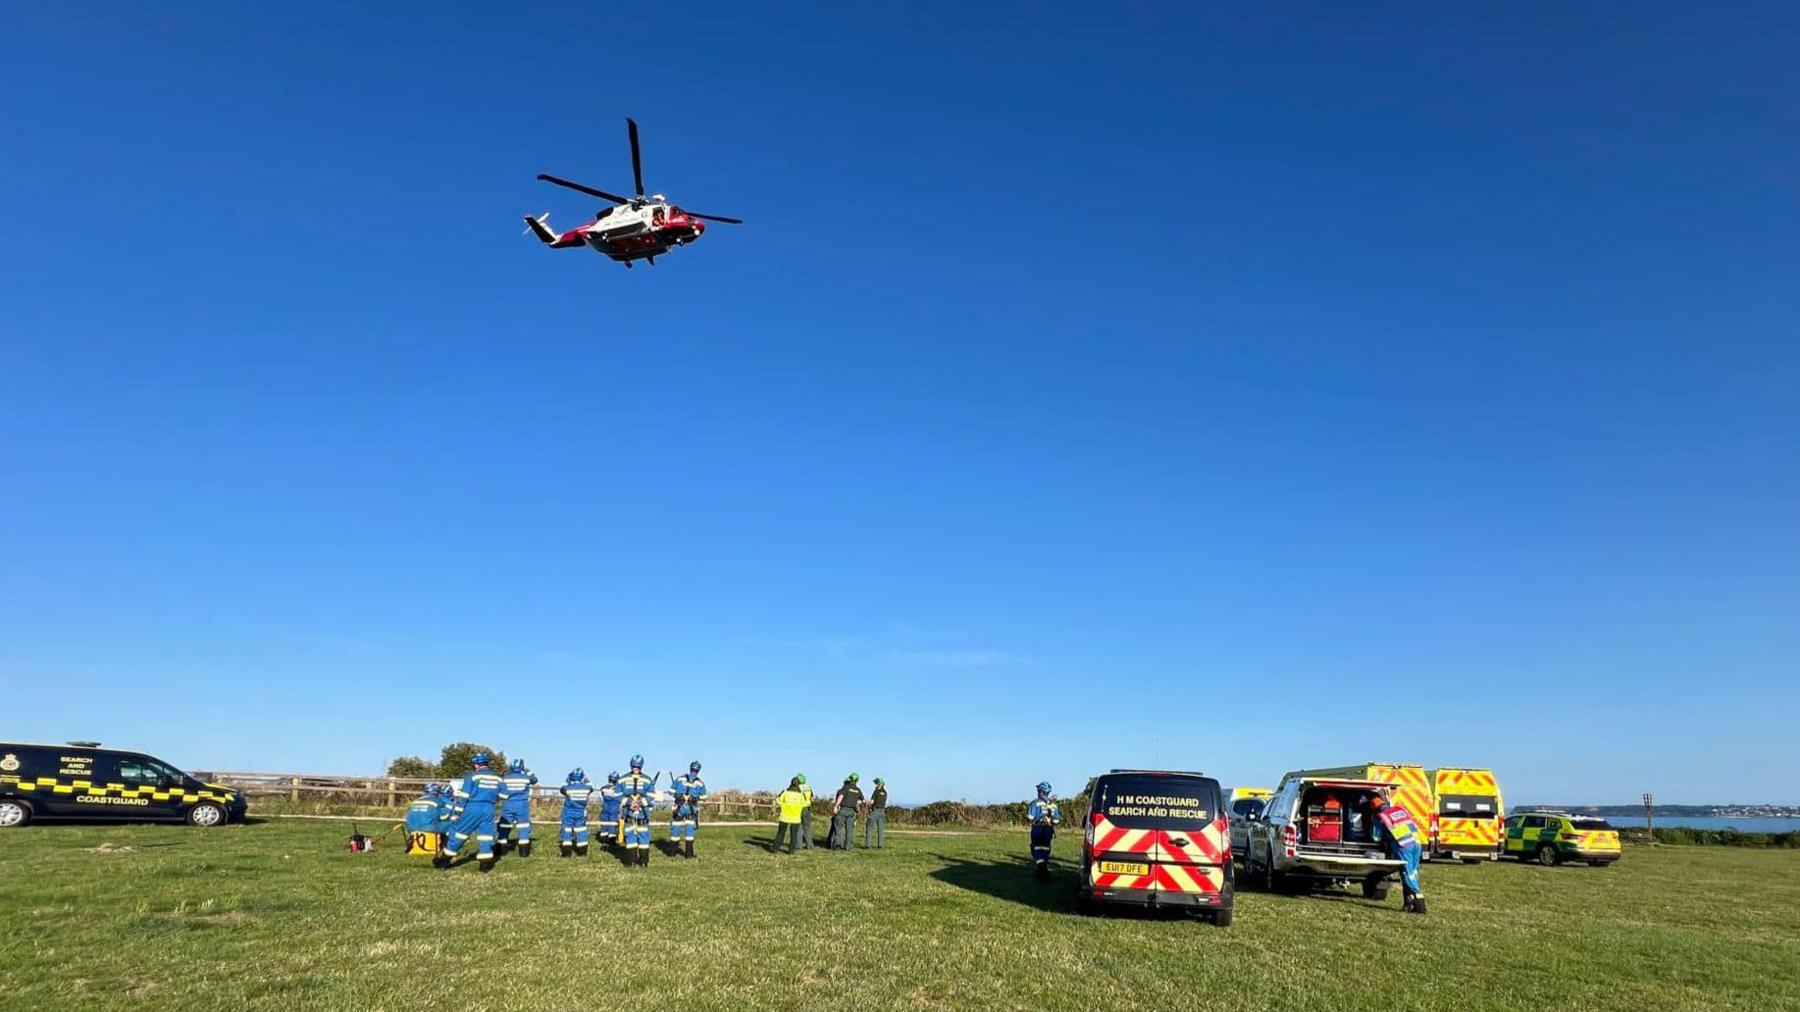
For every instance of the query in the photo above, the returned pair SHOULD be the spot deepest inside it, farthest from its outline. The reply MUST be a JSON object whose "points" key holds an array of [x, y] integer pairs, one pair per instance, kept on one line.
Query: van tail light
{"points": [[1290, 839]]}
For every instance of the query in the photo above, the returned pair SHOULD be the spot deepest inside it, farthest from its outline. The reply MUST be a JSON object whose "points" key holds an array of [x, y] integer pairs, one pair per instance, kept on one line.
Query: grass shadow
{"points": [[1012, 879], [763, 843]]}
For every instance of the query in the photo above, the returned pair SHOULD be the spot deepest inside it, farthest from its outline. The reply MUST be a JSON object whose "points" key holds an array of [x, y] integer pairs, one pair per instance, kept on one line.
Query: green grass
{"points": [[278, 915]]}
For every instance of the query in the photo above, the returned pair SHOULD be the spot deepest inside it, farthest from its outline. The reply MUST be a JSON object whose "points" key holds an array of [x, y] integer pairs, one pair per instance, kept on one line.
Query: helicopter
{"points": [[637, 228]]}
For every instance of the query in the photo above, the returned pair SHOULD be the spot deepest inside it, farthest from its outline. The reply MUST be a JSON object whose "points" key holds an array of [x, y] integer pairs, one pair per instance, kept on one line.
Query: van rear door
{"points": [[1174, 822], [1119, 843]]}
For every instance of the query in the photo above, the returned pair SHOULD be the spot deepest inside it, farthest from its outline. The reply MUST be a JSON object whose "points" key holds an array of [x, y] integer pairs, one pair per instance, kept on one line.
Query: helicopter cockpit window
{"points": [[656, 216]]}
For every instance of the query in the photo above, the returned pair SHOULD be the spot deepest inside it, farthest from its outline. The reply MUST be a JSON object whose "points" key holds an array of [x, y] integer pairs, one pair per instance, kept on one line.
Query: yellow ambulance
{"points": [[1467, 815], [1554, 837]]}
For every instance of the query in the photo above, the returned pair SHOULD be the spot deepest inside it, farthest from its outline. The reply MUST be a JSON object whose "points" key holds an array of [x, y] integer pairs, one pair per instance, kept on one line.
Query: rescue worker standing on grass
{"points": [[515, 815], [1044, 816], [875, 823], [684, 819], [806, 817], [635, 782], [794, 807], [610, 800], [1399, 835], [635, 816], [843, 813], [572, 835], [476, 798]]}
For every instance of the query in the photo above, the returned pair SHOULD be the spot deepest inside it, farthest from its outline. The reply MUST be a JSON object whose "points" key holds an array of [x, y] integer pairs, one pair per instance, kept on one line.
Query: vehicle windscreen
{"points": [[1157, 801], [1589, 825], [1468, 806], [1247, 806]]}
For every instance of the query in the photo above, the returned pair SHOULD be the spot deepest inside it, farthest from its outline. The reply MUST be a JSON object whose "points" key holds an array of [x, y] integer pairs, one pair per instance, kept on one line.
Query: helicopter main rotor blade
{"points": [[637, 163], [590, 191], [714, 217]]}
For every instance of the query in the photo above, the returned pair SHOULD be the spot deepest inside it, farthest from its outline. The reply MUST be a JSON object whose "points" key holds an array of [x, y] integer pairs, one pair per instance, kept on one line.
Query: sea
{"points": [[1742, 825]]}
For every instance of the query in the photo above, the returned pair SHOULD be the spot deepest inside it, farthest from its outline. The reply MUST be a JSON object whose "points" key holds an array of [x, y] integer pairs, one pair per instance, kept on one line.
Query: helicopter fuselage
{"points": [[628, 232]]}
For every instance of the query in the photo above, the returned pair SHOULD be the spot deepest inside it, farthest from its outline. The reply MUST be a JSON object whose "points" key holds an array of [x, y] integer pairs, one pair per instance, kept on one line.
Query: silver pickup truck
{"points": [[1318, 831]]}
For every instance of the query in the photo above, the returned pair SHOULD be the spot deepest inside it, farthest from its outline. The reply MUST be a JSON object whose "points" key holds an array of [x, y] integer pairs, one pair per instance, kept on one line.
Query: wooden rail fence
{"points": [[397, 792]]}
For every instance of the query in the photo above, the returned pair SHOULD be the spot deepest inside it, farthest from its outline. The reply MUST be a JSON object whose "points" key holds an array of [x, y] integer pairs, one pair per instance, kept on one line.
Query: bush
{"points": [[455, 762], [413, 767]]}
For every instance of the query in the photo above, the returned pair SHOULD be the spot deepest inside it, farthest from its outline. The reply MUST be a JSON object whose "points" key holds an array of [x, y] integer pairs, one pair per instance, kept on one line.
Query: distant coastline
{"points": [[1679, 811]]}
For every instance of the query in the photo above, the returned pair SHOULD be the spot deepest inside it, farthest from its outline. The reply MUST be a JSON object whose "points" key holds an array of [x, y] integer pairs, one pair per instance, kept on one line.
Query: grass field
{"points": [[277, 915]]}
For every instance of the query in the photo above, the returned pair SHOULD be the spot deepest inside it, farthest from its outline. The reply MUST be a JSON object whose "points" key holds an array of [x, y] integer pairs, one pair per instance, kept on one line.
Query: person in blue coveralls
{"points": [[610, 800], [475, 800], [515, 815], [572, 834], [1044, 816], [684, 818]]}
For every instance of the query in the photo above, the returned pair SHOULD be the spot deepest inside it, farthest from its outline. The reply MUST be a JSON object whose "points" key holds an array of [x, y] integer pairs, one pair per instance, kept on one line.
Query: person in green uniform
{"points": [[843, 813], [875, 824], [806, 817], [792, 805]]}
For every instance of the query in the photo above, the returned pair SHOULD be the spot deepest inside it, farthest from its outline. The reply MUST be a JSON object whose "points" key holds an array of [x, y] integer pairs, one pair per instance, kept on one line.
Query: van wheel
{"points": [[1376, 887], [206, 814], [1271, 882], [14, 813], [1222, 918], [1547, 856]]}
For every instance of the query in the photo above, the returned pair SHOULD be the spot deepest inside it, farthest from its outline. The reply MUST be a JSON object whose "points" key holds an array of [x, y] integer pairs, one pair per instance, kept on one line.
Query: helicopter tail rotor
{"points": [[539, 226]]}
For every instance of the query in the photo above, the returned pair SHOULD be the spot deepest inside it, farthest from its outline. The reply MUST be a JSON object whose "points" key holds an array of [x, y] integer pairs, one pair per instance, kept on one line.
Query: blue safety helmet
{"points": [[577, 775], [480, 759], [694, 767], [518, 766], [613, 777], [1044, 787], [637, 762]]}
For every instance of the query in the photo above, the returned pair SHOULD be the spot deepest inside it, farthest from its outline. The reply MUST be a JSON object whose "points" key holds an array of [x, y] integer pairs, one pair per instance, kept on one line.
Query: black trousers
{"points": [[791, 831]]}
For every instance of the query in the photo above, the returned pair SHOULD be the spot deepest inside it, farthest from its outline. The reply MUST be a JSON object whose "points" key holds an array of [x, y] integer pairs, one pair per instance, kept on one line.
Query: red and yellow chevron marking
{"points": [[1193, 865]]}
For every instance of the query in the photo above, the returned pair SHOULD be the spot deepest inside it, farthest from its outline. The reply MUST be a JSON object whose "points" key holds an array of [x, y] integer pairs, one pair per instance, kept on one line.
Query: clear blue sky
{"points": [[1171, 385]]}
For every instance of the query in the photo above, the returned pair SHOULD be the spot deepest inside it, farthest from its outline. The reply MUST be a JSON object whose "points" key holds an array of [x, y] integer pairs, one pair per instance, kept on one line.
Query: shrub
{"points": [[413, 767], [456, 763]]}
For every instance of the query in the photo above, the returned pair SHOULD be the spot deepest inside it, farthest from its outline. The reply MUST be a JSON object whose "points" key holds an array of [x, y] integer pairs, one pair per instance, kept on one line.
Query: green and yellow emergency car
{"points": [[1554, 837]]}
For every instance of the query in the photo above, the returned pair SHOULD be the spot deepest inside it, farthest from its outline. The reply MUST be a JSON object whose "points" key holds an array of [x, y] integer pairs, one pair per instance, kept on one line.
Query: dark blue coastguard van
{"points": [[1158, 838], [81, 780]]}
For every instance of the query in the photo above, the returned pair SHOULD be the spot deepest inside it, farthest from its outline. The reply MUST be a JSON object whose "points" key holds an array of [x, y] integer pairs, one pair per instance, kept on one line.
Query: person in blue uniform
{"points": [[446, 799], [634, 781], [1044, 816], [610, 800], [1399, 835], [572, 834], [684, 818], [515, 814], [634, 815], [476, 798], [422, 814]]}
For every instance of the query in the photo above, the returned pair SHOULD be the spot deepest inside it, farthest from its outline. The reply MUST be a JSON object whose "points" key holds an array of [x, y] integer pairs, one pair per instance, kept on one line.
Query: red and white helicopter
{"points": [[643, 227]]}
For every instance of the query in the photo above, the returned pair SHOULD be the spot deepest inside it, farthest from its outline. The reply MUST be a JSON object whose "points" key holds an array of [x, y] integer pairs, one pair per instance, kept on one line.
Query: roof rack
{"points": [[1165, 773]]}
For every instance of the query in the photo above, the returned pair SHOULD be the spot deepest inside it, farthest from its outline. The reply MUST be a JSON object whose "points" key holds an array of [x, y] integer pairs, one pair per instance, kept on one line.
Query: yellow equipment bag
{"points": [[423, 844]]}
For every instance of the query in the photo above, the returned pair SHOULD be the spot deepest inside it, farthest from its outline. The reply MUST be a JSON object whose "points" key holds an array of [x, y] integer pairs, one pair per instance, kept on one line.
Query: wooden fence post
{"points": [[294, 795], [392, 801]]}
